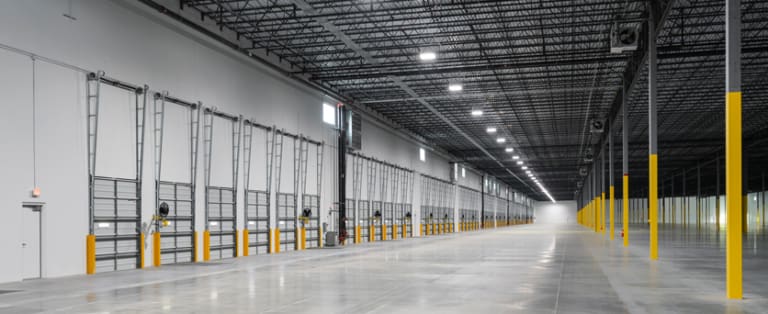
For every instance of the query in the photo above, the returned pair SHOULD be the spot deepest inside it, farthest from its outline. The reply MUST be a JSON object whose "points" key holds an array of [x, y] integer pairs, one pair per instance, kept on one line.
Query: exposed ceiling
{"points": [[539, 69]]}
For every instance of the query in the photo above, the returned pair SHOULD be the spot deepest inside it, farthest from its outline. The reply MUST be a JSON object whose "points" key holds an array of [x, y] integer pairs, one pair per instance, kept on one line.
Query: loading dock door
{"points": [[364, 219], [286, 221], [177, 238], [221, 222], [258, 221]]}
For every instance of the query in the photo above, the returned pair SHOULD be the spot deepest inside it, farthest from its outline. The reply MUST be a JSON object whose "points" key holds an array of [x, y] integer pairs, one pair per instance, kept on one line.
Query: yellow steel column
{"points": [[610, 208], [653, 162], [733, 195], [733, 150]]}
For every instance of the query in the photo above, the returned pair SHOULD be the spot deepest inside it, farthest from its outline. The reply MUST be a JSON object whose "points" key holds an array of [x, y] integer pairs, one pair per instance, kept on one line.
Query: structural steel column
{"points": [[733, 261], [610, 180], [653, 201]]}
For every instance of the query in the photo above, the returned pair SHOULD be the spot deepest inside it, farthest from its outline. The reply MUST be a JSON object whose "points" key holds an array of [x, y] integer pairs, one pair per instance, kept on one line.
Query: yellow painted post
{"points": [[90, 254], [195, 258], [733, 195], [405, 231], [141, 250], [303, 233], [358, 237], [371, 233], [206, 245], [156, 249], [625, 209], [383, 232], [610, 208], [653, 206], [276, 240], [394, 232], [246, 246]]}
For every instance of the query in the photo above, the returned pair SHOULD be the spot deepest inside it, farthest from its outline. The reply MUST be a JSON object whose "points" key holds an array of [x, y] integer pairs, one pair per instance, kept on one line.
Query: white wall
{"points": [[555, 213], [137, 49]]}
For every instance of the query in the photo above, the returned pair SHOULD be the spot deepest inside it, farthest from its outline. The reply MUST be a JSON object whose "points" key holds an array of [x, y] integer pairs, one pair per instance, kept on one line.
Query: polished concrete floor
{"points": [[520, 269]]}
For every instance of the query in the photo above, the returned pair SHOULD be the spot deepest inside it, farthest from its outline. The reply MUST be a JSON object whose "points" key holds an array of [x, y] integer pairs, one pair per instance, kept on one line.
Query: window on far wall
{"points": [[329, 114], [422, 154]]}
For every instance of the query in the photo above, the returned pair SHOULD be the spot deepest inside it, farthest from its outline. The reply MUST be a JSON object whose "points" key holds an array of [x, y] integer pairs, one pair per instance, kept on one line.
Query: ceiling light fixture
{"points": [[509, 149], [455, 87], [501, 140], [519, 162], [428, 55], [490, 130], [524, 167], [476, 112], [515, 157]]}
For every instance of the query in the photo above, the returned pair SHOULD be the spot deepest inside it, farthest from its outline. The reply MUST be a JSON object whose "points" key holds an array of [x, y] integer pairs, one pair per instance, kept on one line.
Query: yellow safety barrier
{"points": [[206, 245], [358, 237], [90, 254], [372, 233], [383, 232], [394, 232], [246, 245], [156, 249], [194, 247], [141, 250]]}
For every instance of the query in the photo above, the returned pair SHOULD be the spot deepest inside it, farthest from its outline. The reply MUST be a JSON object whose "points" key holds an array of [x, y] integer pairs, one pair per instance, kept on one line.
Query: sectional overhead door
{"points": [[115, 234]]}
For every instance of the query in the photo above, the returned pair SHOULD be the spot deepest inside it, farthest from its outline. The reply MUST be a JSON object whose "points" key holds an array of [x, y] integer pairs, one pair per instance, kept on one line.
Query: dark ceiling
{"points": [[539, 69]]}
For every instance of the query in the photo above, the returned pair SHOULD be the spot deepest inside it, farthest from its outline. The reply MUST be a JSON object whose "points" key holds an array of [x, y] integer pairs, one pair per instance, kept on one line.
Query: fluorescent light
{"points": [[422, 154], [491, 130], [515, 157], [427, 56], [501, 140], [528, 172], [329, 114], [477, 112], [524, 167], [463, 172], [509, 149], [455, 87], [519, 162]]}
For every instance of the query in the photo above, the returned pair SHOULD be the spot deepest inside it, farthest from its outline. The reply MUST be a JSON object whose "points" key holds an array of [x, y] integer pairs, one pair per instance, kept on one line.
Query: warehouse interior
{"points": [[378, 156]]}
